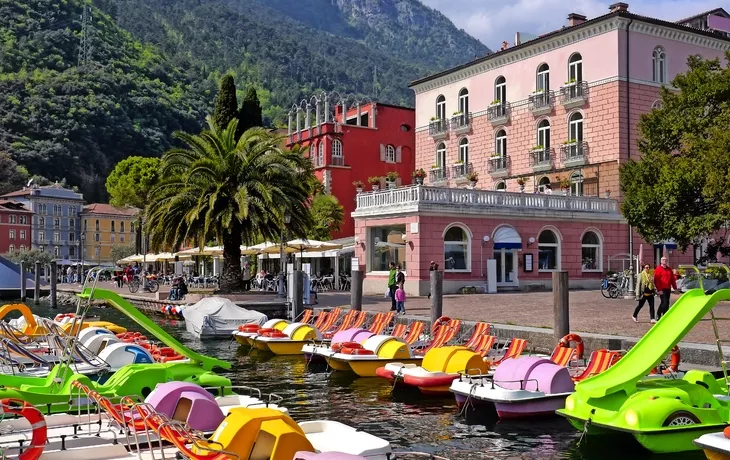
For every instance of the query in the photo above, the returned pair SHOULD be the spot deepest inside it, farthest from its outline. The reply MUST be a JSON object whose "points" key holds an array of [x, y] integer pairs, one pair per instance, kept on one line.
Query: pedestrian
{"points": [[664, 281], [69, 275], [247, 277], [431, 268], [392, 285], [400, 277], [645, 293], [400, 299]]}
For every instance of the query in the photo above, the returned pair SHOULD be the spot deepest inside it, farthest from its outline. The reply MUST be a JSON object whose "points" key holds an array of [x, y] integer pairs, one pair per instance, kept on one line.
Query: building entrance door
{"points": [[506, 267]]}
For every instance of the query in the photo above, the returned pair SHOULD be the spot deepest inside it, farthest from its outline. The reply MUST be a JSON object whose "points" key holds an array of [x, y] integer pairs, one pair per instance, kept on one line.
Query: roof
{"points": [[26, 191], [102, 208], [14, 206], [621, 14], [720, 11], [23, 192]]}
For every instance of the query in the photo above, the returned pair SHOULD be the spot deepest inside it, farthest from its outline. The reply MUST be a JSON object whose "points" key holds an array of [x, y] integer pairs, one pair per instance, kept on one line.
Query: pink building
{"points": [[545, 124]]}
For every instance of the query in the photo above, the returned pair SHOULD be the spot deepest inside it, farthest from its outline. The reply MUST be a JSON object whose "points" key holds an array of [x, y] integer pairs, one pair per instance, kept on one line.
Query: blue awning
{"points": [[507, 245], [669, 245], [507, 238]]}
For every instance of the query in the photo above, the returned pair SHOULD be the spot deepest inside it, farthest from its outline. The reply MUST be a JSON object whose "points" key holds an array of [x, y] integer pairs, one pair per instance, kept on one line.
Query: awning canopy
{"points": [[507, 238], [669, 244]]}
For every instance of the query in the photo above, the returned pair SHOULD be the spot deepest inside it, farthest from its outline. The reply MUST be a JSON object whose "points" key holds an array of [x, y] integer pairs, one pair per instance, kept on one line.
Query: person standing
{"points": [[431, 268], [247, 277], [392, 285], [400, 299], [645, 293], [664, 281], [400, 277]]}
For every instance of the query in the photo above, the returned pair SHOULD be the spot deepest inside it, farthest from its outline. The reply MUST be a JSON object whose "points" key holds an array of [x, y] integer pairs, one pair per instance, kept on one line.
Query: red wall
{"points": [[6, 226]]}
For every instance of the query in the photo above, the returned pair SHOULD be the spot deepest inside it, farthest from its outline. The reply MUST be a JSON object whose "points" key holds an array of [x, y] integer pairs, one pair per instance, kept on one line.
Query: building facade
{"points": [[103, 227], [15, 227], [545, 125], [353, 141], [55, 225]]}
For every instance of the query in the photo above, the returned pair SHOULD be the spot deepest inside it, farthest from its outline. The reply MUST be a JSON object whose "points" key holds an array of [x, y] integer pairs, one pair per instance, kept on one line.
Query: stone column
{"points": [[54, 280], [23, 281], [561, 309], [37, 286], [437, 295], [356, 289]]}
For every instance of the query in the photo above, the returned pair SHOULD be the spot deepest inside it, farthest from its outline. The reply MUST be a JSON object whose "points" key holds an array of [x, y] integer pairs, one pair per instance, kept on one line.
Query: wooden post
{"points": [[437, 295], [298, 294], [23, 282], [37, 286], [54, 280], [356, 289], [561, 309]]}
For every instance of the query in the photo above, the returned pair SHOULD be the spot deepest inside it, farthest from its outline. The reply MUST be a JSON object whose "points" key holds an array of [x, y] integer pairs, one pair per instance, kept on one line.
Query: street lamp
{"points": [[83, 244], [282, 266]]}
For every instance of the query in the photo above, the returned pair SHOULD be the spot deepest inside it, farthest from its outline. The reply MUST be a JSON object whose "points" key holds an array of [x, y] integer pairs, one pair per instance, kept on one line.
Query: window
{"points": [[85, 222], [112, 226], [543, 79], [22, 247], [464, 101], [97, 251], [386, 245], [575, 129], [500, 186], [543, 184], [543, 134], [97, 225], [456, 250], [72, 237], [121, 227], [71, 224], [97, 237], [112, 237], [56, 237], [659, 65], [56, 251], [576, 184], [500, 90], [548, 251], [337, 148], [22, 234], [11, 234], [42, 236], [41, 208], [320, 156], [72, 210], [12, 219], [500, 143], [71, 251], [575, 68], [464, 152], [389, 154], [441, 107], [656, 105], [56, 223], [441, 156], [42, 248], [591, 257], [23, 220], [11, 249], [121, 237], [57, 210], [131, 227], [41, 222]]}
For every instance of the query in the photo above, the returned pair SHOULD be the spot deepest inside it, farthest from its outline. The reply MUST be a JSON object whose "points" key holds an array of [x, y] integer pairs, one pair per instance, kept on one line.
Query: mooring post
{"points": [[54, 280], [356, 288], [298, 294], [561, 309], [23, 280], [37, 286], [437, 295]]}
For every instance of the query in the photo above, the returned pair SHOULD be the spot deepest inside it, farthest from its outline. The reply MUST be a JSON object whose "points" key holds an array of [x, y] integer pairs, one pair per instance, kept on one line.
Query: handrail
{"points": [[696, 270]]}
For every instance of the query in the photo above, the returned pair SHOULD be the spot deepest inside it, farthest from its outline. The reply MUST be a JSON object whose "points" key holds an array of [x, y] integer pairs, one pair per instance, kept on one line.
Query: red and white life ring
{"points": [[339, 346], [37, 422], [444, 320], [575, 338]]}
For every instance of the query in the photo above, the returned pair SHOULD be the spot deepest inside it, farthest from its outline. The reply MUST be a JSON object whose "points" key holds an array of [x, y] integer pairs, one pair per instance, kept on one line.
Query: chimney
{"points": [[575, 19], [620, 6], [518, 39]]}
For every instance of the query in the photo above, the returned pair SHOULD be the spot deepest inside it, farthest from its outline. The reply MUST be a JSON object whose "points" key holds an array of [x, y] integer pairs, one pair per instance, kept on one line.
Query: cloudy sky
{"points": [[494, 21]]}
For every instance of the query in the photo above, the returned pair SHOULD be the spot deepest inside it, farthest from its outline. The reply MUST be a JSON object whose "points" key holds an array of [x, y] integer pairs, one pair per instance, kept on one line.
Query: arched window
{"points": [[543, 78], [500, 186], [464, 101], [42, 222], [22, 247], [457, 250], [85, 226], [591, 253], [113, 226], [441, 156], [543, 134], [543, 185], [121, 227], [389, 154], [575, 68], [97, 225], [320, 154], [337, 150], [548, 251], [131, 227], [575, 129], [576, 184], [500, 90], [464, 151], [11, 249], [499, 159], [659, 65], [441, 107], [56, 251], [657, 104]]}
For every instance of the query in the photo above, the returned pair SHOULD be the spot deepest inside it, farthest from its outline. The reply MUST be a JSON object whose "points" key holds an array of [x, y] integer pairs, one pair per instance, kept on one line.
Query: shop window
{"points": [[385, 245], [591, 252], [548, 248], [457, 249]]}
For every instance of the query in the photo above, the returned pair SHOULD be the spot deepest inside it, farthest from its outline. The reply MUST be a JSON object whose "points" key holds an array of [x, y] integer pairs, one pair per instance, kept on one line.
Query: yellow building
{"points": [[104, 226]]}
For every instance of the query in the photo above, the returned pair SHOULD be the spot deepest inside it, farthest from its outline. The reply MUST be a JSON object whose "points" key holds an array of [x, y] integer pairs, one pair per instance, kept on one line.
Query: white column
{"points": [[326, 109], [344, 112], [337, 272], [308, 118], [299, 125], [216, 266], [317, 118], [359, 112], [290, 124], [373, 110]]}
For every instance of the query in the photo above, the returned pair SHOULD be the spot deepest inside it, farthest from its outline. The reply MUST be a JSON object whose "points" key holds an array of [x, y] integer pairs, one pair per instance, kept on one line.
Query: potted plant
{"points": [[607, 193], [473, 178], [419, 175], [496, 102], [564, 184], [435, 167], [538, 91], [391, 178], [374, 182], [521, 183], [458, 162], [458, 113], [434, 118], [570, 82], [495, 155], [570, 142], [358, 186], [539, 148]]}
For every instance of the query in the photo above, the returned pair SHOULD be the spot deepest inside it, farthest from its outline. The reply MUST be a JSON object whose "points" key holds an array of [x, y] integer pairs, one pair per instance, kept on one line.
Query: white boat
{"points": [[217, 317], [715, 445]]}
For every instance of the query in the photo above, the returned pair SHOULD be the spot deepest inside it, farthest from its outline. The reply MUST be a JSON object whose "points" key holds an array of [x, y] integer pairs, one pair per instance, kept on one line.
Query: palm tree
{"points": [[231, 192]]}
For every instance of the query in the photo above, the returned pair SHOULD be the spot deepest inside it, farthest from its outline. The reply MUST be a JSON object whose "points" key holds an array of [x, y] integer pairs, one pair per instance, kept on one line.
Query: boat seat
{"points": [[198, 411]]}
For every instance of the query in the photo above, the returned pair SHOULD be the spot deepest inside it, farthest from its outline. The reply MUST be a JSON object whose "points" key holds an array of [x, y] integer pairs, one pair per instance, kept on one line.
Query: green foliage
{"points": [[120, 251], [131, 180], [12, 176], [228, 190], [680, 188], [30, 257], [226, 104], [328, 215], [250, 114]]}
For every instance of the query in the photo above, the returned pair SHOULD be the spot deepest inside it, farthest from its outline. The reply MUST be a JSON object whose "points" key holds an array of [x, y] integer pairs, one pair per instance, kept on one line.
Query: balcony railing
{"points": [[459, 171], [499, 166], [498, 114], [542, 103], [461, 123], [338, 161], [574, 94], [574, 154], [436, 175], [542, 159], [439, 128]]}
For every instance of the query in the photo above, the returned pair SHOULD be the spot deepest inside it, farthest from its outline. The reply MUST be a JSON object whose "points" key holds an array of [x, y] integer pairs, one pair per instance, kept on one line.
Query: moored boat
{"points": [[377, 351], [246, 332], [289, 341], [715, 445]]}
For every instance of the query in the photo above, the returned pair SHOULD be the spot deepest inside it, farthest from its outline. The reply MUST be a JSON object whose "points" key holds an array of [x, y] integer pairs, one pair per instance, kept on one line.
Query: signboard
{"points": [[527, 263], [355, 264]]}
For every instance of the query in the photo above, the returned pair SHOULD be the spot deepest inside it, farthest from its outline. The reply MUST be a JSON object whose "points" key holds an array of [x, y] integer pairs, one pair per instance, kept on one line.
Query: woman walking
{"points": [[645, 293]]}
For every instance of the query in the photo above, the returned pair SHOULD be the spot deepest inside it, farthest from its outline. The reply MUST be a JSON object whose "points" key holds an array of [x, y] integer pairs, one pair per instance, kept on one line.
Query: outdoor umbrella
{"points": [[206, 251]]}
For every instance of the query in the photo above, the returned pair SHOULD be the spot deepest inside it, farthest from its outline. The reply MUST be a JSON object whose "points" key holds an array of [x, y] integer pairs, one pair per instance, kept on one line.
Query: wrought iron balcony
{"points": [[574, 153], [459, 171], [498, 114], [499, 166], [541, 159], [574, 94], [461, 124], [338, 161], [437, 175], [542, 103], [439, 128]]}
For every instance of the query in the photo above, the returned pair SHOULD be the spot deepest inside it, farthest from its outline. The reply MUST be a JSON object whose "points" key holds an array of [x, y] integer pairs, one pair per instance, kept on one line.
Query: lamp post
{"points": [[282, 262], [83, 247]]}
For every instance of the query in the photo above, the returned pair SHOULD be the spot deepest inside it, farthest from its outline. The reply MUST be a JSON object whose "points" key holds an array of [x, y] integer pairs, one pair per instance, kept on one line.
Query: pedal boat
{"points": [[246, 332], [365, 359], [288, 341], [318, 351], [715, 445]]}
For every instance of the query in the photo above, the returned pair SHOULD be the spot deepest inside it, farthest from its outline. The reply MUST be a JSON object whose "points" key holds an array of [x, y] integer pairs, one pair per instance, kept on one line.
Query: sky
{"points": [[495, 21]]}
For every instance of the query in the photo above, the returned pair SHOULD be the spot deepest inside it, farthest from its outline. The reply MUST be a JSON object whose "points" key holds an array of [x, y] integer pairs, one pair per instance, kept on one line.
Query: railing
{"points": [[498, 111], [575, 152], [541, 101], [461, 170], [437, 174], [419, 194], [461, 122], [338, 161], [498, 164], [574, 92], [439, 126], [542, 157]]}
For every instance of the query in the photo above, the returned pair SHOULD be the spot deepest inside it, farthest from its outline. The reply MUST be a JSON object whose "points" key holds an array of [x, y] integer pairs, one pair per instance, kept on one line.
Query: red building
{"points": [[15, 225], [371, 140]]}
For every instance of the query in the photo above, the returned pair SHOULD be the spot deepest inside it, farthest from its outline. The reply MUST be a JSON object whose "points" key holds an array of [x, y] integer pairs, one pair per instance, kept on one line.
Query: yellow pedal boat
{"points": [[288, 341], [365, 359]]}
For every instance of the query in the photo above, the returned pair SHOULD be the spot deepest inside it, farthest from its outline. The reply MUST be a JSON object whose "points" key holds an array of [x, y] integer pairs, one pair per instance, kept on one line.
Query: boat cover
{"points": [[218, 317]]}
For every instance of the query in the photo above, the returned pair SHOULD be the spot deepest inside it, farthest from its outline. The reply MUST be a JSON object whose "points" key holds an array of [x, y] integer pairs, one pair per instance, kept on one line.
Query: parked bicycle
{"points": [[616, 286], [148, 283]]}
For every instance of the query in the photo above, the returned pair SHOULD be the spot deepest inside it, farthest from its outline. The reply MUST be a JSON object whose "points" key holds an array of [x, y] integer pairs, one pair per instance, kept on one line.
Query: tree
{"points": [[328, 215], [250, 114], [12, 176], [120, 251], [131, 180], [680, 188], [30, 257], [226, 104], [231, 191]]}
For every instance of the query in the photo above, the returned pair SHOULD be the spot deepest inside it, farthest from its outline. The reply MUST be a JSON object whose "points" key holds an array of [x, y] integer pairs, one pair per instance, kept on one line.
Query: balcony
{"points": [[338, 161], [574, 153], [437, 175], [439, 128], [574, 94], [498, 113], [461, 123], [499, 166], [482, 203], [541, 159], [541, 103], [460, 170]]}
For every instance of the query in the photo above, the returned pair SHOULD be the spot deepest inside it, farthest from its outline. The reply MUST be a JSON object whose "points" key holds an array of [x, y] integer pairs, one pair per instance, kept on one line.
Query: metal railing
{"points": [[540, 101], [338, 160], [574, 152], [438, 126], [573, 92], [437, 174], [461, 170], [498, 111], [498, 164], [541, 157], [460, 122]]}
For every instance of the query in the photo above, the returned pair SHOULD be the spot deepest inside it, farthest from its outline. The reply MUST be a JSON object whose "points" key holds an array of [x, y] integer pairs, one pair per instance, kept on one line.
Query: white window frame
{"points": [[541, 185], [464, 101], [12, 219], [500, 143], [21, 248], [42, 236], [23, 220], [11, 249], [56, 222], [337, 148], [659, 65], [464, 151], [71, 224], [56, 251], [599, 251], [575, 127], [96, 226], [22, 235], [576, 183], [441, 155], [389, 153], [56, 237], [320, 154], [503, 185], [97, 237], [543, 133], [72, 237], [500, 90], [550, 245], [121, 237], [466, 244], [542, 81], [441, 107], [575, 68], [11, 234], [41, 222]]}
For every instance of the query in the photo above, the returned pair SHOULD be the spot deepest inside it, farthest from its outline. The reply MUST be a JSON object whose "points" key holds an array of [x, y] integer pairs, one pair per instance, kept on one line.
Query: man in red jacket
{"points": [[664, 281]]}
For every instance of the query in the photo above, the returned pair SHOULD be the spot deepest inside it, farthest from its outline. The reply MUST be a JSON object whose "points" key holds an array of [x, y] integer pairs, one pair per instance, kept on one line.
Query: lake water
{"points": [[409, 422]]}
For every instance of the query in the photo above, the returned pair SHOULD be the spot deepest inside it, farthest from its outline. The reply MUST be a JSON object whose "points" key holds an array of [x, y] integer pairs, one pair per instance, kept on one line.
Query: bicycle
{"points": [[148, 284], [616, 286]]}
